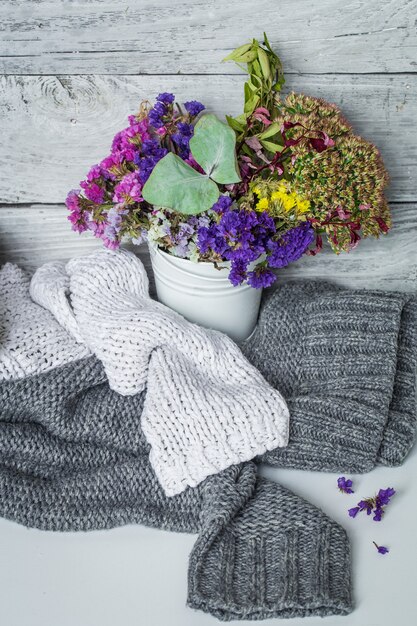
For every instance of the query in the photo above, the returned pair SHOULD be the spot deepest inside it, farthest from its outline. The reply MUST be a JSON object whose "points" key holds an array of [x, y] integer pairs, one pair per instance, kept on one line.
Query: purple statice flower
{"points": [[165, 98], [354, 511], [182, 138], [366, 505], [381, 549], [140, 238], [374, 505], [222, 205], [193, 107], [363, 505], [382, 499], [115, 216], [151, 153], [155, 116], [129, 189], [240, 236], [384, 496], [180, 237], [345, 485], [238, 272], [260, 277], [290, 246], [378, 514], [209, 238], [97, 227], [160, 110]]}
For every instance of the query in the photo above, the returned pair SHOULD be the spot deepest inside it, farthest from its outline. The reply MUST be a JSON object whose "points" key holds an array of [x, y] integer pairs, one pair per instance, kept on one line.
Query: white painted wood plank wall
{"points": [[71, 71]]}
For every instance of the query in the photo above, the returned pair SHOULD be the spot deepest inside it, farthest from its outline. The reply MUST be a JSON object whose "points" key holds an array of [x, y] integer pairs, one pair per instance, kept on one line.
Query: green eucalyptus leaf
{"points": [[272, 130], [251, 104], [247, 92], [247, 57], [241, 119], [256, 68], [267, 44], [238, 52], [213, 147], [175, 185], [235, 124], [272, 147], [264, 63]]}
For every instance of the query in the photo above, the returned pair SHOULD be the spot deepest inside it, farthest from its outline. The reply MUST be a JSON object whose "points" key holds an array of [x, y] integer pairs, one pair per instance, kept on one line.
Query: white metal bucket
{"points": [[204, 294]]}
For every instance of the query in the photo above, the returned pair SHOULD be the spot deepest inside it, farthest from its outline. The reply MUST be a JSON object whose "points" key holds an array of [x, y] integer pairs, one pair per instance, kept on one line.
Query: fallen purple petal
{"points": [[381, 549]]}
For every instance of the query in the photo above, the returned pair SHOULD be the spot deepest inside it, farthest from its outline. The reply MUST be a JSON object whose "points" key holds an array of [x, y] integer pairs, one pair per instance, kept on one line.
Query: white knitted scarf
{"points": [[31, 339], [206, 407]]}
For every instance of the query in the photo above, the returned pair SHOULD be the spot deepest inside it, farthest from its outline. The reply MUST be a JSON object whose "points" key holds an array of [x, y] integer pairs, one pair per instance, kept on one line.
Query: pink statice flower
{"points": [[77, 221], [131, 136], [114, 160], [92, 191], [72, 200], [111, 244], [129, 190], [76, 217]]}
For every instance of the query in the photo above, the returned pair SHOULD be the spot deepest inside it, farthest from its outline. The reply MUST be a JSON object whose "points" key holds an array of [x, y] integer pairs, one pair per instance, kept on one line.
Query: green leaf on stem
{"points": [[213, 147], [175, 185], [272, 147]]}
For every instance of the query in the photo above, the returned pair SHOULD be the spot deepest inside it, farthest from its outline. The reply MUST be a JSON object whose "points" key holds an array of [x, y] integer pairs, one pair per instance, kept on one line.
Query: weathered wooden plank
{"points": [[32, 235], [130, 37], [54, 128]]}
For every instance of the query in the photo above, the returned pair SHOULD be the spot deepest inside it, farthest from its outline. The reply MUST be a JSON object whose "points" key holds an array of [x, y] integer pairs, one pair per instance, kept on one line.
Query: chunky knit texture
{"points": [[345, 361], [31, 339], [73, 457], [206, 407]]}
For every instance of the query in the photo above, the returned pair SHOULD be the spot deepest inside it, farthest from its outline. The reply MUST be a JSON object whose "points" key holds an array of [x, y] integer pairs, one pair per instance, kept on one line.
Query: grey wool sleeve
{"points": [[274, 556], [73, 457], [345, 361]]}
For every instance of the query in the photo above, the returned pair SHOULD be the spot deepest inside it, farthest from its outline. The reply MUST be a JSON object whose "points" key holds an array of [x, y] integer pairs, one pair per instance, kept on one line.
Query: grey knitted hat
{"points": [[345, 362], [73, 457]]}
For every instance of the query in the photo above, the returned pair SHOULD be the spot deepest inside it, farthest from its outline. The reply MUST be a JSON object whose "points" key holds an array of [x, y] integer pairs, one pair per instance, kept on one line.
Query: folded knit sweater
{"points": [[206, 406], [345, 361]]}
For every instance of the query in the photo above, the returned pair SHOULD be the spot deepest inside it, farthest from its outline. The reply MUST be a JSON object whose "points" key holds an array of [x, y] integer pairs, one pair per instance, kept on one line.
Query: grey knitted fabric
{"points": [[73, 457], [345, 361]]}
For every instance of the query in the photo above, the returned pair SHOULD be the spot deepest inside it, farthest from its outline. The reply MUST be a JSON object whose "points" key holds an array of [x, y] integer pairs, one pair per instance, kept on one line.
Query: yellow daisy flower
{"points": [[263, 204]]}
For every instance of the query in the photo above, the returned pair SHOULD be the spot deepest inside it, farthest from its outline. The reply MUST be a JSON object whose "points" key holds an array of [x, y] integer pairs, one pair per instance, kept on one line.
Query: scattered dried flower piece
{"points": [[381, 549], [374, 505], [345, 485]]}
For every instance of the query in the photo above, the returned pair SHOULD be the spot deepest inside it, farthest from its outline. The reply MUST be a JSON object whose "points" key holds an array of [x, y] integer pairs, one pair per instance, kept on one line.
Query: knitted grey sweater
{"points": [[345, 361], [73, 457]]}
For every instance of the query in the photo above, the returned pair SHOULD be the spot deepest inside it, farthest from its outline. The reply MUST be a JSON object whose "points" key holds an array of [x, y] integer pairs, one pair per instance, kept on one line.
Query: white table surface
{"points": [[135, 576]]}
